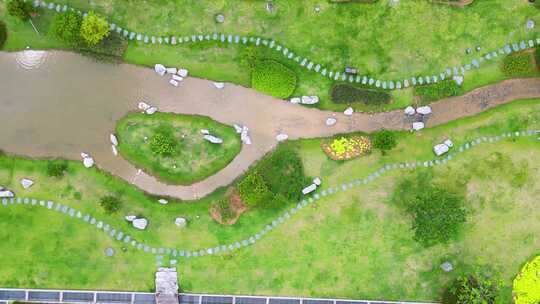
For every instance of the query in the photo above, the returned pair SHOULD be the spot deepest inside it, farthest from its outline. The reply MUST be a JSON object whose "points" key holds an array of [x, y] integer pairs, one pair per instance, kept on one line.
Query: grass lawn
{"points": [[351, 244], [193, 158], [414, 38]]}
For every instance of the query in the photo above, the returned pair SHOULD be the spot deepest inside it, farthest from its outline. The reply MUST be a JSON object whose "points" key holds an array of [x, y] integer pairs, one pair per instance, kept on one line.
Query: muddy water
{"points": [[70, 105]]}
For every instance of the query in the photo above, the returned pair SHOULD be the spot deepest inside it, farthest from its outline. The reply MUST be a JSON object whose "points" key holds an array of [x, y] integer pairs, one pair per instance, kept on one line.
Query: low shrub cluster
{"points": [[478, 287], [3, 34], [344, 148], [526, 285], [384, 140], [277, 179], [437, 91], [520, 65], [20, 9], [163, 141], [345, 93], [56, 168], [273, 78], [110, 203], [437, 212]]}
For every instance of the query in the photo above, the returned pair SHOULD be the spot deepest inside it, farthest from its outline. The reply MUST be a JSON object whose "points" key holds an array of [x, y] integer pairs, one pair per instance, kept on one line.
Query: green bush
{"points": [[384, 140], [111, 204], [223, 206], [437, 91], [163, 142], [56, 168], [437, 212], [94, 28], [111, 49], [519, 65], [3, 34], [273, 78], [20, 9], [476, 288], [67, 27], [253, 190], [344, 93]]}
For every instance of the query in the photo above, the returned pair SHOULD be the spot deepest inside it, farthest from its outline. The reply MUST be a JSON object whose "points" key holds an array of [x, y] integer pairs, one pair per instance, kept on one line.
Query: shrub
{"points": [[223, 206], [437, 91], [347, 147], [94, 28], [273, 78], [526, 284], [477, 288], [253, 190], [20, 9], [519, 65], [67, 27], [3, 34], [56, 168], [111, 204], [384, 140], [163, 142], [344, 93], [111, 49], [437, 212]]}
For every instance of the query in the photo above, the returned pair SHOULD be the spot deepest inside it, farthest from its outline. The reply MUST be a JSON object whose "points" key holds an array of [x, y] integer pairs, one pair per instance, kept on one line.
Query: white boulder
{"points": [[458, 80], [410, 110], [418, 125], [171, 70], [180, 222], [309, 100], [114, 150], [238, 128], [440, 149], [163, 201], [213, 139], [449, 143], [26, 183], [160, 69], [114, 140], [6, 193], [219, 85], [205, 132], [183, 72], [140, 223], [84, 155], [130, 218], [295, 100], [425, 110], [174, 83], [177, 78], [330, 121], [282, 137], [151, 110], [349, 111], [88, 161], [309, 189], [317, 181], [143, 106]]}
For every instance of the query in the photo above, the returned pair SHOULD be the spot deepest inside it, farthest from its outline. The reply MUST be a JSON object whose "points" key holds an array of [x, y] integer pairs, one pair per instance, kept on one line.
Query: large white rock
{"points": [[219, 85], [6, 193], [171, 70], [449, 143], [282, 137], [160, 69], [309, 100], [143, 106], [151, 110], [238, 128], [349, 111], [410, 110], [425, 110], [309, 189], [130, 218], [205, 132], [88, 162], [213, 139], [140, 223], [295, 100], [114, 140], [183, 72], [84, 155], [180, 222], [317, 181], [114, 150], [418, 125], [244, 136], [177, 78], [26, 183], [440, 149], [330, 121], [163, 201], [173, 82]]}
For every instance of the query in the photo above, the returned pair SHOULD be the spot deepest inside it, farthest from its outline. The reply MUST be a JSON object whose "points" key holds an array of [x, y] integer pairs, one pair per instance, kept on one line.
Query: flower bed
{"points": [[344, 148]]}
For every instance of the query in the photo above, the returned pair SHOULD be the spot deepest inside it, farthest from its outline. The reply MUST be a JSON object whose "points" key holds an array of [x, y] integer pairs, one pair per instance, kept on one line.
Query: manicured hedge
{"points": [[519, 65], [273, 78], [3, 34], [436, 91], [344, 93]]}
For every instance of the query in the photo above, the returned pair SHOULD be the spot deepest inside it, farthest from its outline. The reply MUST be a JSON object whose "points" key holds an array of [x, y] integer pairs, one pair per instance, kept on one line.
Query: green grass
{"points": [[352, 244], [193, 158], [380, 40]]}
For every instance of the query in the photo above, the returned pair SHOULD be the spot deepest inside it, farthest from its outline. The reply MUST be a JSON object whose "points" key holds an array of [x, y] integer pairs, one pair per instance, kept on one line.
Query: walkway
{"points": [[75, 102]]}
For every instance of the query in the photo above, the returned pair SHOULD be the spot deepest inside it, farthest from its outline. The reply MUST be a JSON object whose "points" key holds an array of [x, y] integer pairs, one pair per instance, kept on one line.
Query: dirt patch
{"points": [[235, 208]]}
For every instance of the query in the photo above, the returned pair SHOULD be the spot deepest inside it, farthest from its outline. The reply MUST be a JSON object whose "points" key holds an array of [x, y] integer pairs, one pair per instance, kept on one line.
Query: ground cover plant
{"points": [[273, 78], [3, 34], [347, 147], [357, 233], [437, 91], [172, 148], [526, 283], [384, 140], [522, 64], [344, 93], [477, 287]]}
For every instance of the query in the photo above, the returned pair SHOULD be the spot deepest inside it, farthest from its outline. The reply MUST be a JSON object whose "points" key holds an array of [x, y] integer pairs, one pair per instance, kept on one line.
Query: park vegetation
{"points": [[273, 78], [384, 141], [56, 167], [436, 91], [20, 9], [478, 287], [347, 147], [345, 93], [3, 34], [527, 283], [520, 64], [110, 204]]}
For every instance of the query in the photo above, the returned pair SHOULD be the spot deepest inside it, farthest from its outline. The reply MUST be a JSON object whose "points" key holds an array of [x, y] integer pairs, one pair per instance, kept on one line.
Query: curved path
{"points": [[71, 105]]}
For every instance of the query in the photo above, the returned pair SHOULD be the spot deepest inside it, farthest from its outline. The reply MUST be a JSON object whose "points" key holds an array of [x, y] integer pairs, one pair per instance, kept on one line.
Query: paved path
{"points": [[74, 103]]}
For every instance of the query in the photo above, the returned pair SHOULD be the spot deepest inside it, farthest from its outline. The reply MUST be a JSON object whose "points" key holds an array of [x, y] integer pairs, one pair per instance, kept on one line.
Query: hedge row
{"points": [[345, 93], [273, 78], [437, 91], [520, 65], [3, 34]]}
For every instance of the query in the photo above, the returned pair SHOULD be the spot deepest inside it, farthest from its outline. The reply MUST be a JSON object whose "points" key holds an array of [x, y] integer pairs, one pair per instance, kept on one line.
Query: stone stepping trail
{"points": [[456, 72], [175, 253]]}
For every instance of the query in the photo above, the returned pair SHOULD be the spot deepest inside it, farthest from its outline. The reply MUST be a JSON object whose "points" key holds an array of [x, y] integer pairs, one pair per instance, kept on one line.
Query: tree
{"points": [[111, 204], [94, 28], [20, 9], [56, 168], [384, 140], [67, 27], [3, 34], [476, 288], [253, 190]]}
